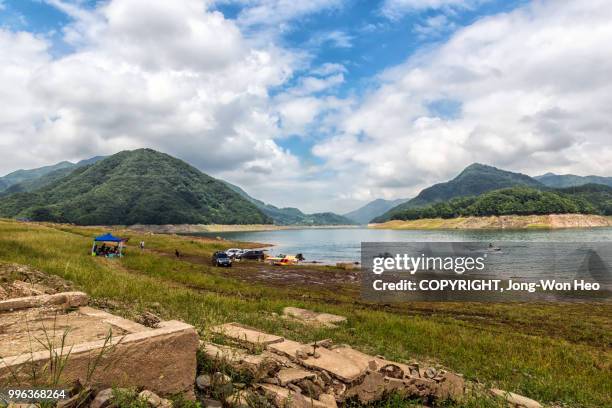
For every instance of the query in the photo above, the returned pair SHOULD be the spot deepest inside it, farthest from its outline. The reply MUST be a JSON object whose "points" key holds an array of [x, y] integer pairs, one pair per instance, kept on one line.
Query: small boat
{"points": [[285, 260]]}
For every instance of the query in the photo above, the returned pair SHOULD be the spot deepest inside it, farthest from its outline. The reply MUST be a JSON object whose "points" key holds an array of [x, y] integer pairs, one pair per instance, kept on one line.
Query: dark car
{"points": [[221, 259], [253, 255]]}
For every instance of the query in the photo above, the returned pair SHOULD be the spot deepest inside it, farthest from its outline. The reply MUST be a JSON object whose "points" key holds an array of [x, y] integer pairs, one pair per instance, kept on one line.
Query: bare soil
{"points": [[280, 276], [551, 221]]}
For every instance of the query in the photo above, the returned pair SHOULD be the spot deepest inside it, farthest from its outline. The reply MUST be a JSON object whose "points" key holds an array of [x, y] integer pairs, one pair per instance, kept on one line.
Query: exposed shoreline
{"points": [[550, 221], [202, 228]]}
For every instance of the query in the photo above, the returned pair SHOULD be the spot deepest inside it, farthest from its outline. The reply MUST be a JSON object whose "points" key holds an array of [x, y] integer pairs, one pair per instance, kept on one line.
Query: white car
{"points": [[234, 252]]}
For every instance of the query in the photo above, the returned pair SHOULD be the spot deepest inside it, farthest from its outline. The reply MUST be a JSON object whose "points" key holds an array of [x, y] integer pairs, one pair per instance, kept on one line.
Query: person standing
{"points": [[141, 245]]}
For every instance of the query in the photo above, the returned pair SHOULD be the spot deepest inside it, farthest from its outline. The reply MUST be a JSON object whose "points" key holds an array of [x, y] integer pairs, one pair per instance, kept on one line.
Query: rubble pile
{"points": [[320, 374], [83, 397], [22, 280]]}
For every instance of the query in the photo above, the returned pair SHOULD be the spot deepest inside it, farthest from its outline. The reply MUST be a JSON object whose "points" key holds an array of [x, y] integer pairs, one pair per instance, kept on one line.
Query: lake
{"points": [[331, 245]]}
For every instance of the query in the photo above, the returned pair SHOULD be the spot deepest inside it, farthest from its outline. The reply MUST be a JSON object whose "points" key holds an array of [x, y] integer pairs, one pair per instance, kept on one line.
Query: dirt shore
{"points": [[195, 228], [551, 221]]}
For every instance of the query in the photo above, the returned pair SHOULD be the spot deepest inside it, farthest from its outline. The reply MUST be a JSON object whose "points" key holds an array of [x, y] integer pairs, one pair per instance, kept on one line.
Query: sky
{"points": [[322, 105]]}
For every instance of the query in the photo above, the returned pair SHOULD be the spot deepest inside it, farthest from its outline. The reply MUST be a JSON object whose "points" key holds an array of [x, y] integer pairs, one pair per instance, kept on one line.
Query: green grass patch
{"points": [[555, 353]]}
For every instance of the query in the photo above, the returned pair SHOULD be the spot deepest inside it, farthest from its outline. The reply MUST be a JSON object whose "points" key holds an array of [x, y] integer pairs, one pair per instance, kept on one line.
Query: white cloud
{"points": [[298, 113], [530, 91], [329, 69], [335, 38], [278, 12], [183, 81], [395, 9], [534, 92], [300, 110], [311, 84], [434, 26]]}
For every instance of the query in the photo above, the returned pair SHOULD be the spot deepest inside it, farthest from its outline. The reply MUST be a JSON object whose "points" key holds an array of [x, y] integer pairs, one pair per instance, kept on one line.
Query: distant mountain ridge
{"points": [[134, 187], [20, 176], [571, 180], [474, 180], [520, 200], [373, 209], [37, 179], [293, 216]]}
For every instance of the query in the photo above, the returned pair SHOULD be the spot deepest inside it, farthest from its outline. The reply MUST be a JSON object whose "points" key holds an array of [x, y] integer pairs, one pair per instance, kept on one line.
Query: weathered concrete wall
{"points": [[162, 360]]}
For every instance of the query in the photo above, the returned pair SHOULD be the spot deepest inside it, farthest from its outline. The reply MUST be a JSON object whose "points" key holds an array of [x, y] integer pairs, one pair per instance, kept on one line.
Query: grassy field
{"points": [[554, 353]]}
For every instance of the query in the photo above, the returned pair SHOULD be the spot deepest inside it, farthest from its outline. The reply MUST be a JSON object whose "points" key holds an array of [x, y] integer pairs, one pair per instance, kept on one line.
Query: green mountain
{"points": [[293, 216], [473, 180], [598, 195], [21, 176], [134, 187], [587, 199], [571, 180], [35, 182], [373, 209]]}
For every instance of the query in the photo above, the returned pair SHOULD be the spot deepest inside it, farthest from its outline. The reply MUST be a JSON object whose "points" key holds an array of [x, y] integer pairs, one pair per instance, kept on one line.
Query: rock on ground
{"points": [[517, 401], [103, 399], [310, 375], [313, 318]]}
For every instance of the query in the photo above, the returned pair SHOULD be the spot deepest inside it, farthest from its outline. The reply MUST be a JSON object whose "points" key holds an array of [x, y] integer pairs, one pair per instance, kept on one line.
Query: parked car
{"points": [[253, 254], [234, 252], [220, 258]]}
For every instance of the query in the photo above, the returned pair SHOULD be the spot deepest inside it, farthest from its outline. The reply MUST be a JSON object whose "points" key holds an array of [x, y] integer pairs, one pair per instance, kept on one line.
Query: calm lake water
{"points": [[344, 244]]}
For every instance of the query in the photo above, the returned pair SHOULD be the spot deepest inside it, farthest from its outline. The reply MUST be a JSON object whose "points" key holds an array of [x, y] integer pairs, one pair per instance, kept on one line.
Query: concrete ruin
{"points": [[293, 374], [42, 332], [43, 324], [313, 318]]}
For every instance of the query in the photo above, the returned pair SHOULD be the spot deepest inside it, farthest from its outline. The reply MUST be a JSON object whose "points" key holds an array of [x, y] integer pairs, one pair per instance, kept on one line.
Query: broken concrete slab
{"points": [[310, 371], [375, 363], [334, 363], [112, 320], [371, 389], [450, 386], [355, 356], [286, 398], [420, 387], [245, 334], [292, 375], [223, 353], [288, 348], [337, 365], [258, 365], [162, 360], [64, 299], [127, 354], [516, 400], [313, 318]]}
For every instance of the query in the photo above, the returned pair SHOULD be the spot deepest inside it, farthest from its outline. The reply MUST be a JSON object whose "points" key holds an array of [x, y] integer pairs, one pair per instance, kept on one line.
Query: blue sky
{"points": [[356, 33], [350, 100]]}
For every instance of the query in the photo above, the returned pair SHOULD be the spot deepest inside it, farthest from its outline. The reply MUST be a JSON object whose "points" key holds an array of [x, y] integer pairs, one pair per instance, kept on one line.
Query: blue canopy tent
{"points": [[110, 251]]}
